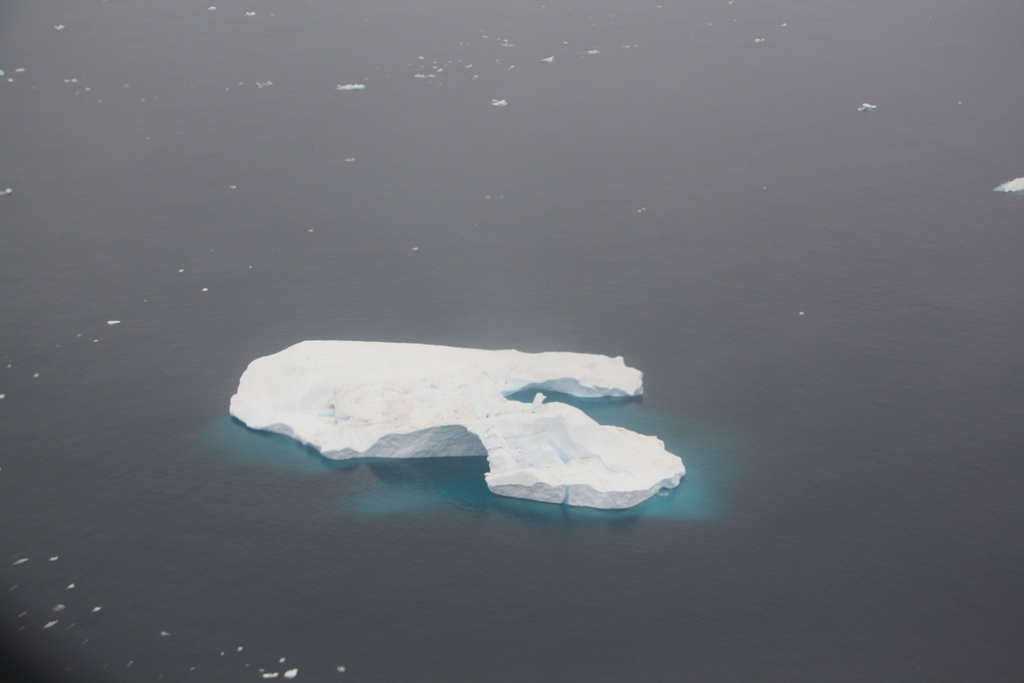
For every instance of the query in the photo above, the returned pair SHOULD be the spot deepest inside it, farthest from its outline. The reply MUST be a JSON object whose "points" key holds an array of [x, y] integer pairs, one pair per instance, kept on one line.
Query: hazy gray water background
{"points": [[853, 506]]}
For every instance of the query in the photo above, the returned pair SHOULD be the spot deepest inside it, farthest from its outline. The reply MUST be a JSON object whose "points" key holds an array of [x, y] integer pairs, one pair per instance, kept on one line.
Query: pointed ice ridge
{"points": [[1015, 186]]}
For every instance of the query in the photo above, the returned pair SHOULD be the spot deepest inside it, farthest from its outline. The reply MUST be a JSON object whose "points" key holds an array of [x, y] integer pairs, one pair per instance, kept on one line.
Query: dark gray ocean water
{"points": [[827, 305]]}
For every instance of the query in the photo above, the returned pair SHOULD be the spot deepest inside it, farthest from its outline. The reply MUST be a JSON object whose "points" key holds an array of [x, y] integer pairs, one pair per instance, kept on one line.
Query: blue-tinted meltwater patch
{"points": [[375, 487]]}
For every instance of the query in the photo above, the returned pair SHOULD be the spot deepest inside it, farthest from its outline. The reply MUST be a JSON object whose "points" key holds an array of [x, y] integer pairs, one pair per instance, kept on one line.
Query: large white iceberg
{"points": [[351, 399], [1015, 186]]}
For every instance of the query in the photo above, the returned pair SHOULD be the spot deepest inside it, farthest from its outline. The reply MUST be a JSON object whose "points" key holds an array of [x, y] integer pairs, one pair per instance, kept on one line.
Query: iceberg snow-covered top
{"points": [[351, 399]]}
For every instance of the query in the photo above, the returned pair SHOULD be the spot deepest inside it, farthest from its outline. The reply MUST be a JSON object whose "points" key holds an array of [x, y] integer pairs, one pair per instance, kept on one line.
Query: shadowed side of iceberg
{"points": [[444, 441]]}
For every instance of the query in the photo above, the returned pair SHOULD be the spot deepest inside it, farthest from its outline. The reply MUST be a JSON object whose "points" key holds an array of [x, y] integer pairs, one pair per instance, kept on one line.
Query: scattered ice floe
{"points": [[59, 27], [21, 561], [51, 623], [264, 84], [352, 86], [6, 191], [548, 60], [867, 107], [592, 52], [499, 103], [758, 40], [1015, 186], [291, 673], [250, 14], [109, 322]]}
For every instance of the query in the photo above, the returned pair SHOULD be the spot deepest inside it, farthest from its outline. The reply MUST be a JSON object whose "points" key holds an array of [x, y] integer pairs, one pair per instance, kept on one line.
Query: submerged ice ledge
{"points": [[351, 399]]}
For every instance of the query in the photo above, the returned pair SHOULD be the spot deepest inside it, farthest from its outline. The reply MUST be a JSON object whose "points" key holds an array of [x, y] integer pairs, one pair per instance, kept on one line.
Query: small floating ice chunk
{"points": [[592, 52], [3, 396], [19, 70], [499, 103], [758, 40], [250, 14], [205, 289], [291, 673], [352, 86], [96, 609], [341, 669], [211, 8], [164, 634], [5, 191], [270, 675], [264, 85], [59, 27], [51, 623], [548, 60], [350, 159], [109, 322], [867, 107], [57, 608], [70, 586], [1015, 186]]}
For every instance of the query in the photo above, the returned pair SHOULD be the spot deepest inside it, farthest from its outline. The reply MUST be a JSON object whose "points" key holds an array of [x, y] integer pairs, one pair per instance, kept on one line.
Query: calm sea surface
{"points": [[828, 307]]}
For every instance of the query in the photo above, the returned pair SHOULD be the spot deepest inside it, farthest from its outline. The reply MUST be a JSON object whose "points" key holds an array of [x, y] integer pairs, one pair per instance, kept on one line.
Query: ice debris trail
{"points": [[351, 399], [1015, 186]]}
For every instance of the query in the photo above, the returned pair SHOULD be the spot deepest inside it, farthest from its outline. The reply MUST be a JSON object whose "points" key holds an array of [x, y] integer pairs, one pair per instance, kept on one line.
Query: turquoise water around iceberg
{"points": [[397, 487]]}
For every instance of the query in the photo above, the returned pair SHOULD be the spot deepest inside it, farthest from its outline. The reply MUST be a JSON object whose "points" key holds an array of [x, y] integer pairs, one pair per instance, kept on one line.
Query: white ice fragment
{"points": [[271, 675], [205, 289], [230, 187], [352, 86], [113, 322], [281, 661], [6, 191], [211, 8], [758, 40], [59, 27], [499, 103], [51, 623], [96, 609], [538, 398], [57, 608], [350, 159], [164, 634], [70, 586], [867, 107], [1015, 186], [250, 14], [19, 70], [3, 396], [264, 85], [783, 25], [36, 375], [548, 60], [370, 399], [1, 72], [181, 270], [291, 673], [801, 313], [593, 52], [341, 669], [415, 248], [238, 649]]}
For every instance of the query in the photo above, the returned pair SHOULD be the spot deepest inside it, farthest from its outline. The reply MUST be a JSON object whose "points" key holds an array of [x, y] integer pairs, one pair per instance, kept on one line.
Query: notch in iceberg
{"points": [[351, 399]]}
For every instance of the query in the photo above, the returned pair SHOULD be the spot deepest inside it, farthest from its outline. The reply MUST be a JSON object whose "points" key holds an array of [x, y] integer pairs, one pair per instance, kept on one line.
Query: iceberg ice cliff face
{"points": [[352, 399]]}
